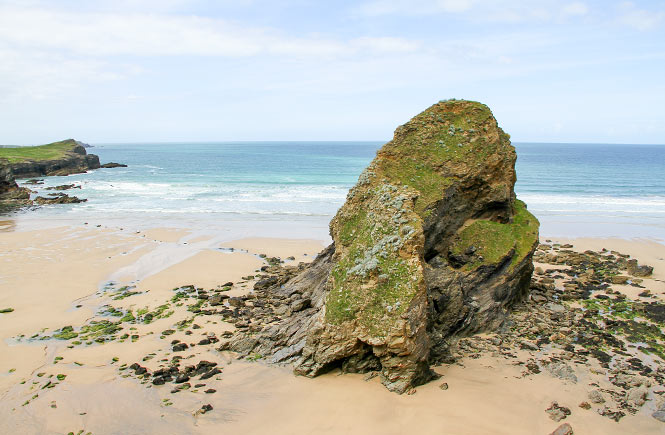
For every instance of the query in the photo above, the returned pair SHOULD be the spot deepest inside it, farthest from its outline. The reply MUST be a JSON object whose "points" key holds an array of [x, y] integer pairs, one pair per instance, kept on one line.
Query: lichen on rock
{"points": [[430, 244]]}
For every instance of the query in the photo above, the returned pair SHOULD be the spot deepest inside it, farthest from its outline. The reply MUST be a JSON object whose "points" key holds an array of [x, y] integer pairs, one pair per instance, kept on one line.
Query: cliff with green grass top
{"points": [[58, 158], [431, 244]]}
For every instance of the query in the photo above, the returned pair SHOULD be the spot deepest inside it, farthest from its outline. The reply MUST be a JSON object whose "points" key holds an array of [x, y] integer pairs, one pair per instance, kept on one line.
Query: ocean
{"points": [[293, 189]]}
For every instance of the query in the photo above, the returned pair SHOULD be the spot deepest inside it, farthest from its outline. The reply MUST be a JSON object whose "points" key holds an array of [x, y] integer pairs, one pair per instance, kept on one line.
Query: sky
{"points": [[243, 70]]}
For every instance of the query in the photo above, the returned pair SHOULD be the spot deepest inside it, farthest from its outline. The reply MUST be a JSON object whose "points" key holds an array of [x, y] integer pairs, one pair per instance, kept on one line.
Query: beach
{"points": [[70, 276], [297, 217], [140, 309]]}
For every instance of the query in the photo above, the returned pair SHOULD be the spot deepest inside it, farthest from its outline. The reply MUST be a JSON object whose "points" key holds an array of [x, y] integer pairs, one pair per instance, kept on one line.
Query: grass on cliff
{"points": [[493, 240], [52, 151]]}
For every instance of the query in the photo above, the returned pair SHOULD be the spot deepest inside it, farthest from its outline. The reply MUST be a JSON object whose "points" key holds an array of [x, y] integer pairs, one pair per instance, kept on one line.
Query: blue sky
{"points": [[201, 70]]}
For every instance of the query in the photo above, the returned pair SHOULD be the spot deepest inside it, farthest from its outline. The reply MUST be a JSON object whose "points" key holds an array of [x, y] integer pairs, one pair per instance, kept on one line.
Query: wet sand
{"points": [[45, 275]]}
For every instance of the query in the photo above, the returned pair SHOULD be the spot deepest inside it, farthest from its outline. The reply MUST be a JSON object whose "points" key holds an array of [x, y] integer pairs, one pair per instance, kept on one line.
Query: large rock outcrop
{"points": [[71, 158], [430, 244]]}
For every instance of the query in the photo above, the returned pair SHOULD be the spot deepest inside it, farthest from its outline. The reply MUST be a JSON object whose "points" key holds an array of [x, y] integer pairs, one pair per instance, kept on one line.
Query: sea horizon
{"points": [[293, 188], [315, 141]]}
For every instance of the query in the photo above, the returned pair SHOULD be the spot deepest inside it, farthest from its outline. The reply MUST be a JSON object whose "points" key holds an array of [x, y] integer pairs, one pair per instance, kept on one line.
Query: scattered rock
{"points": [[659, 414], [564, 429], [562, 371], [596, 397], [59, 198], [556, 412], [64, 187], [179, 347], [204, 409], [638, 270], [636, 397]]}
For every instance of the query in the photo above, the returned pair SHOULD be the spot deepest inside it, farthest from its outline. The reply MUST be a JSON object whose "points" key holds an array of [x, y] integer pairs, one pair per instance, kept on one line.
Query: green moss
{"points": [[128, 317], [96, 330], [627, 322], [255, 357], [420, 176], [452, 134], [196, 307], [66, 333], [351, 226], [371, 282], [493, 241], [52, 151]]}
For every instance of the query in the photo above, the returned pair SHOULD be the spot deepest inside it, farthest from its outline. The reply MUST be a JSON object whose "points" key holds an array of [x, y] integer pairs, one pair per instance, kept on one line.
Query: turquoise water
{"points": [[574, 189]]}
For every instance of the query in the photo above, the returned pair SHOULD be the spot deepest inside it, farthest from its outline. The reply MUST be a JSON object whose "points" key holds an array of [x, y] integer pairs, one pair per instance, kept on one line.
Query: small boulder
{"points": [[635, 269], [179, 347], [556, 412], [564, 429], [596, 397]]}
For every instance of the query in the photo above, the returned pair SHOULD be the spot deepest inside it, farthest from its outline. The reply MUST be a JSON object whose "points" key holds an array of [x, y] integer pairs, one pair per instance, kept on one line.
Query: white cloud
{"points": [[41, 75], [386, 44], [640, 19], [455, 5], [48, 53], [95, 34], [414, 7], [576, 8], [510, 11]]}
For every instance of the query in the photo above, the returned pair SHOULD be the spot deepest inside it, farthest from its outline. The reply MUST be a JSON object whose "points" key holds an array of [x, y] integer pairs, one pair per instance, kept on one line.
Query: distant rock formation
{"points": [[430, 244], [58, 158], [113, 165], [83, 144], [73, 160]]}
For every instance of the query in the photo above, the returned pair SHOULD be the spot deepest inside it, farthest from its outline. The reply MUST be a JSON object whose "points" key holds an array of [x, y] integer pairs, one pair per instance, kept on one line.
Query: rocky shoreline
{"points": [[577, 325], [73, 159]]}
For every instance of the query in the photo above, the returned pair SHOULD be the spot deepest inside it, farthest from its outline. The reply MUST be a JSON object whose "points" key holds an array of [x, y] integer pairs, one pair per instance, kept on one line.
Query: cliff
{"points": [[58, 158], [431, 244]]}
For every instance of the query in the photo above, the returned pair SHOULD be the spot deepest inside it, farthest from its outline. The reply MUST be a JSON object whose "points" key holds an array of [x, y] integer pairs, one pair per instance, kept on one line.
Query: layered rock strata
{"points": [[430, 244]]}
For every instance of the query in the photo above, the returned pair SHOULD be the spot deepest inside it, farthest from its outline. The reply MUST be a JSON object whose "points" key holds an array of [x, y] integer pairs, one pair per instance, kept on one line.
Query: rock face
{"points": [[7, 182], [430, 244], [74, 161], [11, 195]]}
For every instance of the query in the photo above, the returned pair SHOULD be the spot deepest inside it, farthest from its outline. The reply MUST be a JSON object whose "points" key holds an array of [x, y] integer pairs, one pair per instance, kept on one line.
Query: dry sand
{"points": [[44, 275]]}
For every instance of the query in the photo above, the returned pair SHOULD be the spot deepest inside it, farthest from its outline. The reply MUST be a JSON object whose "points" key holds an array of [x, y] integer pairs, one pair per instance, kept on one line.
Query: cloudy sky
{"points": [[205, 70]]}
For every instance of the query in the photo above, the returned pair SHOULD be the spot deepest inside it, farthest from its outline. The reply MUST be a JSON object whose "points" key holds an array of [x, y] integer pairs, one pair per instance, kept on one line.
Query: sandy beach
{"points": [[74, 276]]}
